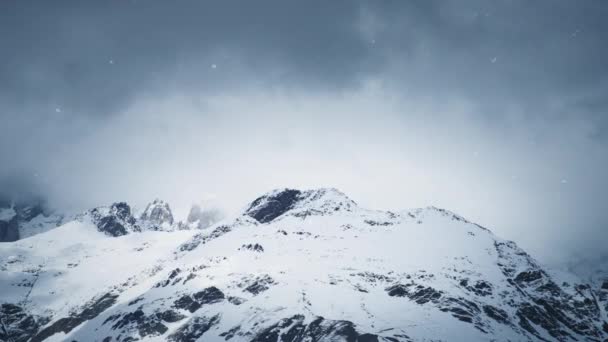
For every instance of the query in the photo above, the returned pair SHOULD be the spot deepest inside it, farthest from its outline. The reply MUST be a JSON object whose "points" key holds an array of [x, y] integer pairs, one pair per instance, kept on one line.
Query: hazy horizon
{"points": [[495, 111]]}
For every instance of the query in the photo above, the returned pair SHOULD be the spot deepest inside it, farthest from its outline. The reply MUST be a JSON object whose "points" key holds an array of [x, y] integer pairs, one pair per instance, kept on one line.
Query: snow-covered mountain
{"points": [[24, 219], [295, 266]]}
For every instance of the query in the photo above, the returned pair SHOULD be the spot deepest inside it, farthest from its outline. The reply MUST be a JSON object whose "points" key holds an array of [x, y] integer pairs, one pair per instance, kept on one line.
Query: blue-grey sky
{"points": [[495, 110]]}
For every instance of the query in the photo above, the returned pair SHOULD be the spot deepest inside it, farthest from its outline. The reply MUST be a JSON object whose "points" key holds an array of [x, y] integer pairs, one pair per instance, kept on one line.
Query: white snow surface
{"points": [[325, 257]]}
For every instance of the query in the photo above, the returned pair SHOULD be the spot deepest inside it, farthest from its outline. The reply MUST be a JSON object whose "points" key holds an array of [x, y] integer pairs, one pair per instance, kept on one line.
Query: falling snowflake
{"points": [[575, 33], [213, 66], [493, 60], [111, 61], [564, 181], [57, 110]]}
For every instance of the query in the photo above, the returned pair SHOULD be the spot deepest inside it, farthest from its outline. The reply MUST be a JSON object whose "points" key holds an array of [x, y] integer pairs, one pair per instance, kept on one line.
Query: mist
{"points": [[494, 111]]}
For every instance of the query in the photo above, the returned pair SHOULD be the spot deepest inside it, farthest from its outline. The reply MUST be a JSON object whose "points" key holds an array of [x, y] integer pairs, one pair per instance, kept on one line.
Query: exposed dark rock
{"points": [[170, 316], [135, 301], [16, 324], [367, 338], [259, 285], [460, 308], [171, 280], [9, 230], [14, 214], [209, 295], [268, 207], [418, 293], [236, 300], [397, 290], [186, 302], [66, 324], [252, 247], [202, 238], [480, 288], [530, 313], [549, 307], [117, 221], [496, 314], [378, 223], [294, 330], [528, 276], [194, 302], [563, 313], [111, 226], [550, 288], [193, 329], [373, 278], [227, 335], [145, 325]]}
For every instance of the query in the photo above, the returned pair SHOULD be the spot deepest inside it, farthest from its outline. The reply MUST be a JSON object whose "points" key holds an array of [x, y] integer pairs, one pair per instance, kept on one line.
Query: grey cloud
{"points": [[495, 110], [92, 57]]}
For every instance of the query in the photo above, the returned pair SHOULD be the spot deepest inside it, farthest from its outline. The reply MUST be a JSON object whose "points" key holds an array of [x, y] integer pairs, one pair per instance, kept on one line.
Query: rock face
{"points": [[157, 216], [115, 220], [16, 325], [266, 208], [118, 219], [9, 225], [298, 266], [296, 329], [299, 203], [20, 220]]}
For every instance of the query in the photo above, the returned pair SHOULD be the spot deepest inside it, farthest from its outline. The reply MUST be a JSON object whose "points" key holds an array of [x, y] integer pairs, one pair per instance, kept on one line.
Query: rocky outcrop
{"points": [[67, 324], [19, 220], [254, 247], [297, 266], [16, 324], [195, 301], [276, 203], [116, 220], [157, 216], [268, 207], [562, 311], [9, 227], [294, 329], [194, 329]]}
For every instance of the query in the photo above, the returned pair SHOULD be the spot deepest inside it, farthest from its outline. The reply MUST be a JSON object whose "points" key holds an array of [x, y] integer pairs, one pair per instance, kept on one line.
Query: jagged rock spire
{"points": [[158, 213]]}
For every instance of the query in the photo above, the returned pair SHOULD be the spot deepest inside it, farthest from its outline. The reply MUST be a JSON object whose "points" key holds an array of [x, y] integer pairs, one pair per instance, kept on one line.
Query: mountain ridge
{"points": [[296, 265]]}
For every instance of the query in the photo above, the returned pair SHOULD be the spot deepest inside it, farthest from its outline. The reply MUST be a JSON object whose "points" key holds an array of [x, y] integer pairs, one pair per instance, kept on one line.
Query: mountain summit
{"points": [[296, 265], [299, 203]]}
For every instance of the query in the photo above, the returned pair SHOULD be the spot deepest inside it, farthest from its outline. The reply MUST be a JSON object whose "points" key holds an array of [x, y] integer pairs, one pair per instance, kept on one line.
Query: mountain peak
{"points": [[430, 266], [157, 214], [115, 220], [299, 202]]}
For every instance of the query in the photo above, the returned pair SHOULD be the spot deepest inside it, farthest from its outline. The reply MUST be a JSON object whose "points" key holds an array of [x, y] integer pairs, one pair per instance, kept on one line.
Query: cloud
{"points": [[493, 110]]}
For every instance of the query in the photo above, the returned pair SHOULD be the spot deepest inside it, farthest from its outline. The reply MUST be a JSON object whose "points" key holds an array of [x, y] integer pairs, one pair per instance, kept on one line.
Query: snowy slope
{"points": [[295, 266]]}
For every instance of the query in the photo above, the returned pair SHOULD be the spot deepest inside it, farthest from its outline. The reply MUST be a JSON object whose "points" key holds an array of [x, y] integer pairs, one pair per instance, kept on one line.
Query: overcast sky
{"points": [[494, 110]]}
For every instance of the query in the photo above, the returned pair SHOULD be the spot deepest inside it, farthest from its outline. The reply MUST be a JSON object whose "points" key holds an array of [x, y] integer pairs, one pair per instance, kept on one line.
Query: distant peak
{"points": [[303, 203], [157, 213]]}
